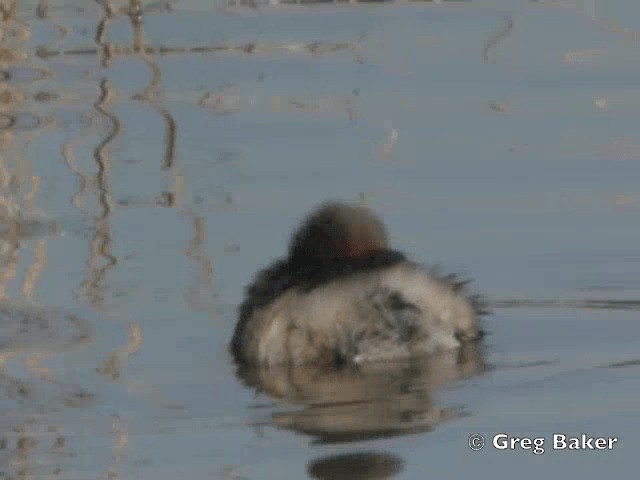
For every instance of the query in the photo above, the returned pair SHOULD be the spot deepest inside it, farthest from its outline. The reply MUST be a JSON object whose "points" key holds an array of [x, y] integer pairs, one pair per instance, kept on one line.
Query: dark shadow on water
{"points": [[635, 362], [368, 401], [593, 304], [355, 466]]}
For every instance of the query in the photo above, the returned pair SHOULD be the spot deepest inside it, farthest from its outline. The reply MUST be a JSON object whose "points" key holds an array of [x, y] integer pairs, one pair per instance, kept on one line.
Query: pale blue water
{"points": [[139, 192]]}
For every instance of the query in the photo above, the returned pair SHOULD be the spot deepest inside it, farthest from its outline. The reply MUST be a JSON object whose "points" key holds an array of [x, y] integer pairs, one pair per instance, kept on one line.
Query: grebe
{"points": [[342, 295]]}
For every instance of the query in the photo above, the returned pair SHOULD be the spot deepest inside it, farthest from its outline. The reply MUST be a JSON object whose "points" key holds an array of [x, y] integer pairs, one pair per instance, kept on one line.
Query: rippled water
{"points": [[154, 155]]}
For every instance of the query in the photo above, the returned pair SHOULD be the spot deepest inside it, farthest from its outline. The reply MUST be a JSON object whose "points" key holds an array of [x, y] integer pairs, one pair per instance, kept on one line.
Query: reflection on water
{"points": [[147, 146], [368, 401], [31, 390], [356, 466]]}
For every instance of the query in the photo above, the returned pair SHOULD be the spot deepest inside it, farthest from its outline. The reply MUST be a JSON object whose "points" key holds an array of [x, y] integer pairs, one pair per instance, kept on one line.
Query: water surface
{"points": [[154, 155]]}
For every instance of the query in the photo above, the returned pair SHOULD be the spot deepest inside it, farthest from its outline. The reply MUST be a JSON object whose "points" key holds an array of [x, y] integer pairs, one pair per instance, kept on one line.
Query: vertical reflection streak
{"points": [[42, 10], [15, 207], [9, 184], [40, 260], [102, 241], [34, 271], [101, 29], [150, 94], [195, 293], [101, 244], [8, 10], [77, 199], [492, 42], [9, 240]]}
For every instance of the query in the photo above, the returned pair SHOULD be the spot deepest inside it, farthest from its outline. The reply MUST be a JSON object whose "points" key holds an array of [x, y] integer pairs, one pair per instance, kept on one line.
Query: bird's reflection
{"points": [[355, 466], [365, 402]]}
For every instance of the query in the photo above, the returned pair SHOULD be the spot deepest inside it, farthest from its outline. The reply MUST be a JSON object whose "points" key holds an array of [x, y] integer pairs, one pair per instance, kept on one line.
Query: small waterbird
{"points": [[343, 295]]}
